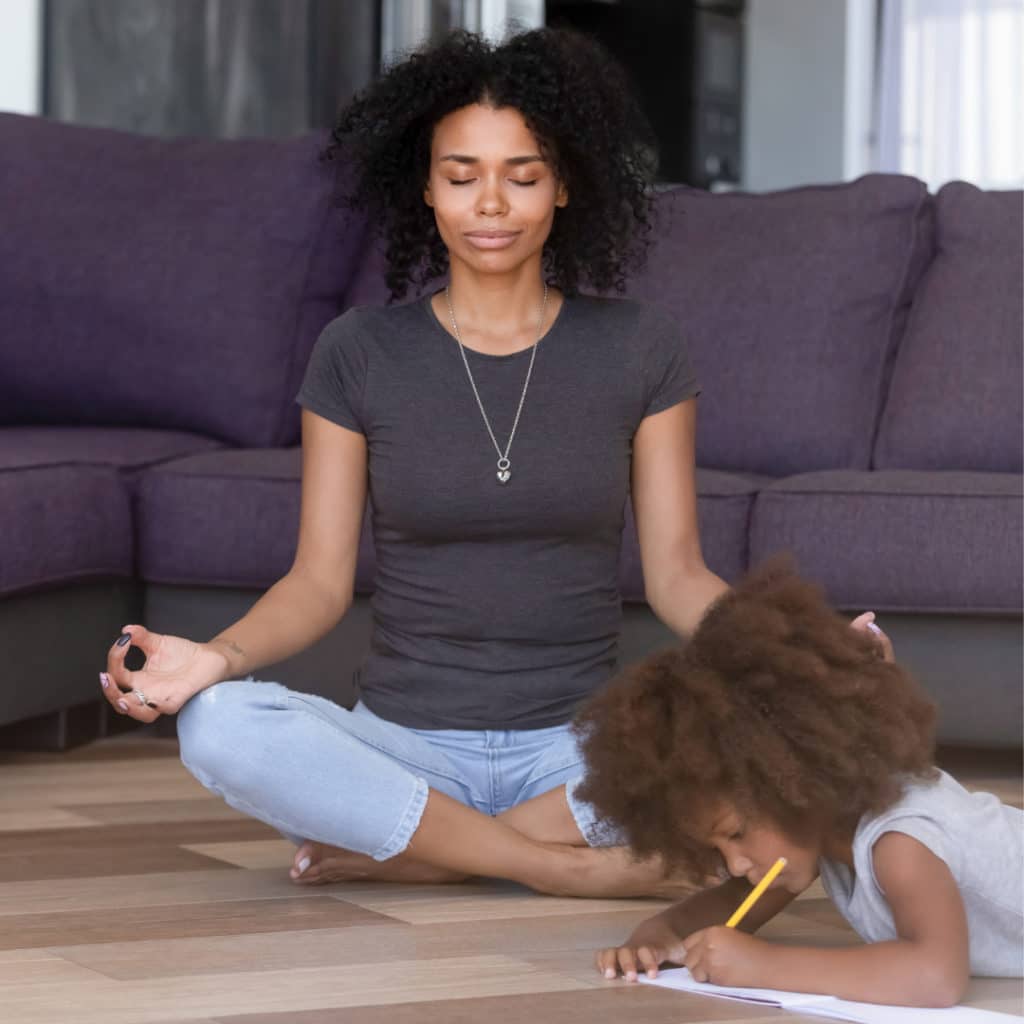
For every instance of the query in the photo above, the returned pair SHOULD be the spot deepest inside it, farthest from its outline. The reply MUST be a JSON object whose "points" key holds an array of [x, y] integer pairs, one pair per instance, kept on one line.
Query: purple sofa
{"points": [[859, 346]]}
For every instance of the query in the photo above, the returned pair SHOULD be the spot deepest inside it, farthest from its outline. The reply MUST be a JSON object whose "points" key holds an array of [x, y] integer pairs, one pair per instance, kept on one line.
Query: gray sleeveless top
{"points": [[981, 841]]}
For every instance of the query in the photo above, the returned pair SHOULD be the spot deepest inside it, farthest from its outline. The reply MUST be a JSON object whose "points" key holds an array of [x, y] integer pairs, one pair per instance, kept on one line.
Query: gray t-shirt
{"points": [[981, 841], [496, 605]]}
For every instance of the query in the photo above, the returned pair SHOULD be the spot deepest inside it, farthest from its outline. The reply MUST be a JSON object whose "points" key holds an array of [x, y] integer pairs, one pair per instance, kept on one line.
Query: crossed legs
{"points": [[363, 799]]}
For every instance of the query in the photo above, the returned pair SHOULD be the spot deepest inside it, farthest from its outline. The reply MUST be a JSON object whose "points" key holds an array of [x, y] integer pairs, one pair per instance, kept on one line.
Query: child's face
{"points": [[749, 848]]}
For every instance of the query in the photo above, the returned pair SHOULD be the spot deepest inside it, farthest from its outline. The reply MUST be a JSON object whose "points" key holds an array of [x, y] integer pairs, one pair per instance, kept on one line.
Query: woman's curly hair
{"points": [[776, 706], [575, 100]]}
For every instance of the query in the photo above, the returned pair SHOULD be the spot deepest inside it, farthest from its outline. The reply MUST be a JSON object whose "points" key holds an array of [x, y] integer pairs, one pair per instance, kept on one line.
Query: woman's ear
{"points": [[428, 198], [562, 196]]}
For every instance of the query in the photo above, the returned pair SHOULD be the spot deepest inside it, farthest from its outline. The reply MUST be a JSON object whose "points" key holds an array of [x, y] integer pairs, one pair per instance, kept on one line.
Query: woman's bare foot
{"points": [[320, 864]]}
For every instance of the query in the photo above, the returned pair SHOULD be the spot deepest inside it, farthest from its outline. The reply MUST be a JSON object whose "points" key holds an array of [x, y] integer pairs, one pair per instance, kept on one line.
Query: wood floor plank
{"points": [[155, 812], [14, 956], [37, 819], [443, 909], [98, 1000], [613, 1005], [19, 975], [145, 930], [97, 782], [263, 853], [160, 890], [370, 944], [1004, 995], [130, 836], [117, 849], [63, 862], [72, 794]]}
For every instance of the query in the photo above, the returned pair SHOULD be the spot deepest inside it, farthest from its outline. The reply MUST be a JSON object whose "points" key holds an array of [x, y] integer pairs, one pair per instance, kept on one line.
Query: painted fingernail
{"points": [[104, 680], [303, 864], [124, 638], [123, 705], [609, 973], [873, 628]]}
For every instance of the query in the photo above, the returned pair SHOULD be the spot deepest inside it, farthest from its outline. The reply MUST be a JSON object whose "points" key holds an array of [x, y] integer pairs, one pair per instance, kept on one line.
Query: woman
{"points": [[500, 425]]}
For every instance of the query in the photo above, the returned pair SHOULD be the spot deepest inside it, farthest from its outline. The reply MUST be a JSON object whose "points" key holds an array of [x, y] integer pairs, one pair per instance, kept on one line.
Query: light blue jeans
{"points": [[314, 770]]}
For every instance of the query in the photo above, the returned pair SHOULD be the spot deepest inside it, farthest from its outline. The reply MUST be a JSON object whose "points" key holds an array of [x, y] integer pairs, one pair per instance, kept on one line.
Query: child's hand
{"points": [[725, 956], [865, 623], [651, 944]]}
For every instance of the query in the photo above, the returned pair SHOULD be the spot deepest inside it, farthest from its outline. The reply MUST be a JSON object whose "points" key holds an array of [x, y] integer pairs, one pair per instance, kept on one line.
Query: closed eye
{"points": [[469, 181]]}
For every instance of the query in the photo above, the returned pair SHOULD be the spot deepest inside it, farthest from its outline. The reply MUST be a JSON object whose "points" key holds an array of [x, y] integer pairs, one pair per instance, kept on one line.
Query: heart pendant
{"points": [[503, 475]]}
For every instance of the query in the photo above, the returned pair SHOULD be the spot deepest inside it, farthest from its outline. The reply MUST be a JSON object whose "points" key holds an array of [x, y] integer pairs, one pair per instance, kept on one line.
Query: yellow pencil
{"points": [[755, 894]]}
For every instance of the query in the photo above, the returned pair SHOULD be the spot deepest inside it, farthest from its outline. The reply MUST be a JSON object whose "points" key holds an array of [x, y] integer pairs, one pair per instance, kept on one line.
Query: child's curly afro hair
{"points": [[776, 706]]}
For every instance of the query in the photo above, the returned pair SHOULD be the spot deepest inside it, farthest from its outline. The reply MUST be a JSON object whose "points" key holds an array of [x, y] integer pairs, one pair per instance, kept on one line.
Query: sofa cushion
{"points": [[792, 302], [175, 283], [899, 540], [955, 399], [724, 502], [66, 500], [227, 519]]}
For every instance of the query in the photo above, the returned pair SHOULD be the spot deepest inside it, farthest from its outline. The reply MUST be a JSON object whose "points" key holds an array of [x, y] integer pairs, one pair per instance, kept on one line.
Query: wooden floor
{"points": [[129, 895]]}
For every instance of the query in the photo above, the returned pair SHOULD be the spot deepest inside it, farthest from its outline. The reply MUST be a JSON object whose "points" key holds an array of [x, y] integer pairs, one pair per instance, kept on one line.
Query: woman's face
{"points": [[493, 194]]}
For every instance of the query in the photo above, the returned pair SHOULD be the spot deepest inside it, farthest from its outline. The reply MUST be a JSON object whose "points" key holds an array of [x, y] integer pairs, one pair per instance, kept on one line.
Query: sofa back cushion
{"points": [[792, 302], [164, 283], [955, 398]]}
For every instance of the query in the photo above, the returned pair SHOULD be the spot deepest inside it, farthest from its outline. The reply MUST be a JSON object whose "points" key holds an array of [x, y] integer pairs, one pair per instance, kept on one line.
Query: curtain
{"points": [[951, 91], [226, 68]]}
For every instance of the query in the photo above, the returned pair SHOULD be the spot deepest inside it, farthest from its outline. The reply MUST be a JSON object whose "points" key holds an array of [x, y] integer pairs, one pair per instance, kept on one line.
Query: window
{"points": [[951, 91]]}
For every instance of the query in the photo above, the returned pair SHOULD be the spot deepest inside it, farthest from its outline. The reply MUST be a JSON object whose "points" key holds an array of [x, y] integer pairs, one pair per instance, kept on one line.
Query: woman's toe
{"points": [[303, 860]]}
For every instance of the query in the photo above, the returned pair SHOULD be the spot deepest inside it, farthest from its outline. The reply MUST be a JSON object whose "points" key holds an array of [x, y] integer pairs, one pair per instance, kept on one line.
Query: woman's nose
{"points": [[492, 198]]}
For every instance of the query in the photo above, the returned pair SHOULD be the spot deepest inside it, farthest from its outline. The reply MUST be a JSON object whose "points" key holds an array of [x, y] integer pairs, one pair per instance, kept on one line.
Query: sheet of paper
{"points": [[873, 1013], [680, 978], [828, 1006]]}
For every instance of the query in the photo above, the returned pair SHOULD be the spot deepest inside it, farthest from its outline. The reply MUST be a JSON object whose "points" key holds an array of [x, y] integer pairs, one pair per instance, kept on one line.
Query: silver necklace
{"points": [[504, 466]]}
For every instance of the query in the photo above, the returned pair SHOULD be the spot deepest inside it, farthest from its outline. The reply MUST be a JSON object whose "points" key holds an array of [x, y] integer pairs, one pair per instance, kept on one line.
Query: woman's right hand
{"points": [[176, 669]]}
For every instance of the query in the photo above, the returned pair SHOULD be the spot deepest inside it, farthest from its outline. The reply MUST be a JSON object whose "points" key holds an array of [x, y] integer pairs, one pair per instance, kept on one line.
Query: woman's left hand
{"points": [[865, 623], [725, 956]]}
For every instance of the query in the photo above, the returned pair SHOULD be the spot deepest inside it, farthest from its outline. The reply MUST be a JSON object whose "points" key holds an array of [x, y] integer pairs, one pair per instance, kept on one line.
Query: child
{"points": [[781, 732]]}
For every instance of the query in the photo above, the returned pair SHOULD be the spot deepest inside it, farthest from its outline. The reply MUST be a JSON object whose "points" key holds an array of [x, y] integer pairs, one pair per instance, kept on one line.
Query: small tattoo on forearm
{"points": [[229, 643]]}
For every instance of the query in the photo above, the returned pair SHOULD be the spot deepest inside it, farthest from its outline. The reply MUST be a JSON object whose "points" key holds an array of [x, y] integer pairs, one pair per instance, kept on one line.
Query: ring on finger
{"points": [[143, 700]]}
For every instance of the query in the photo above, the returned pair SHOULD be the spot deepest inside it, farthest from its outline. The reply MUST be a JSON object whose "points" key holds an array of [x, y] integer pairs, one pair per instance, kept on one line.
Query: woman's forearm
{"points": [[898, 973], [685, 598], [293, 614]]}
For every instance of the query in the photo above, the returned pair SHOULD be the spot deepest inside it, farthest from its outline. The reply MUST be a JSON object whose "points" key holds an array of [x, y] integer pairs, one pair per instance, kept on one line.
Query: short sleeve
{"points": [[335, 378], [668, 373]]}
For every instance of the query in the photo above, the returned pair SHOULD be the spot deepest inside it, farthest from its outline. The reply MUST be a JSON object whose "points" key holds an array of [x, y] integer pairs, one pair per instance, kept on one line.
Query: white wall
{"points": [[807, 92], [20, 66]]}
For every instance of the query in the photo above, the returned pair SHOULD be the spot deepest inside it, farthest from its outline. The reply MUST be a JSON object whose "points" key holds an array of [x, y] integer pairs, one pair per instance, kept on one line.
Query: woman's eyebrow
{"points": [[515, 161]]}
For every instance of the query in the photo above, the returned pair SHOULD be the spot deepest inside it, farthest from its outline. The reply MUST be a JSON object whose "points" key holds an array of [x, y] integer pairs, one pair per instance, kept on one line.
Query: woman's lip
{"points": [[482, 241]]}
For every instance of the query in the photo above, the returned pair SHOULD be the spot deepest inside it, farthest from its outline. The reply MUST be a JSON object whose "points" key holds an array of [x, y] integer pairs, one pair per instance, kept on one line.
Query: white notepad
{"points": [[829, 1006]]}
